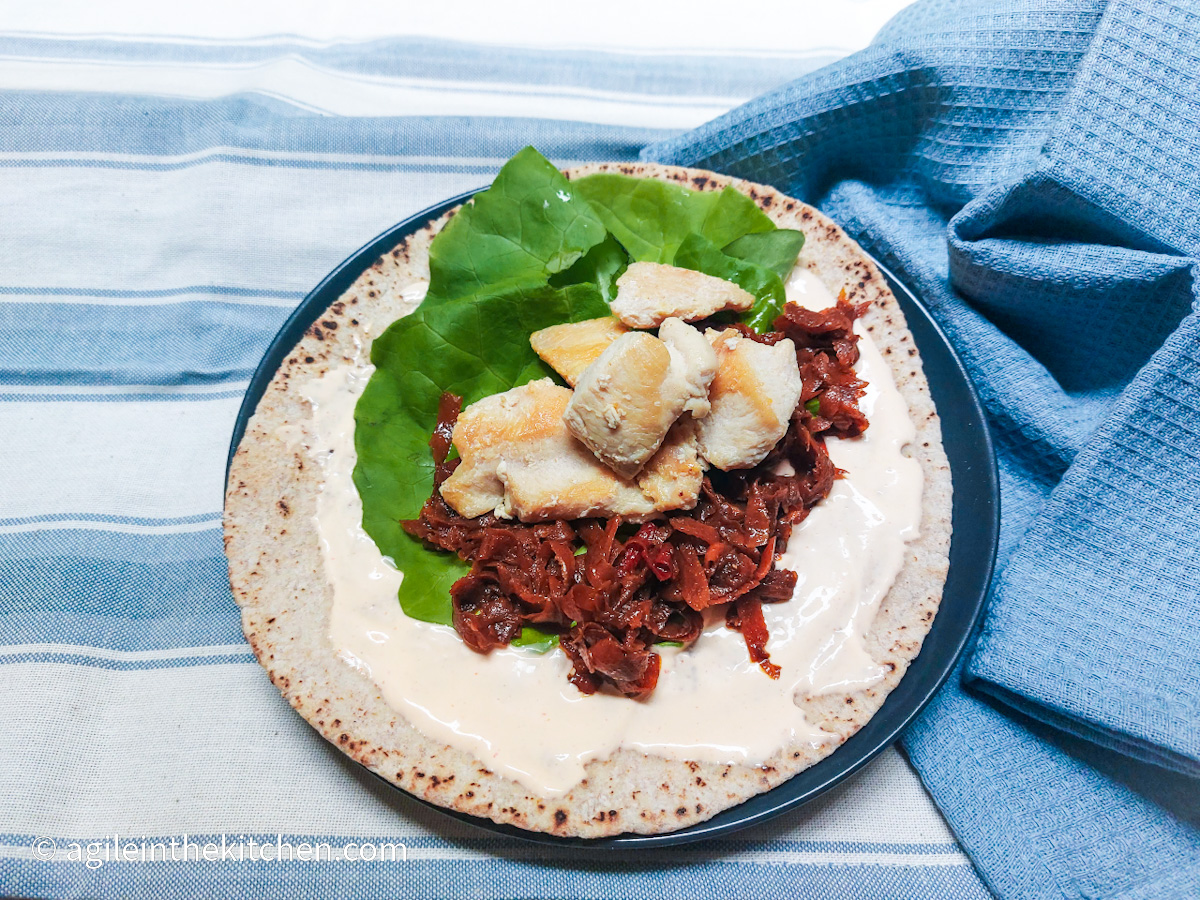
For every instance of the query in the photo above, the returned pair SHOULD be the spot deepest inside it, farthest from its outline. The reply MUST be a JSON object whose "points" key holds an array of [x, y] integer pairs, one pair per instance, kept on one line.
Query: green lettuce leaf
{"points": [[652, 218], [475, 347], [775, 250], [703, 255], [601, 266], [526, 227]]}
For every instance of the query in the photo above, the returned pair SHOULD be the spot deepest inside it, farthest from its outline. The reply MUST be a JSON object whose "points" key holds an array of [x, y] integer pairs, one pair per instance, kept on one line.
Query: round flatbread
{"points": [[278, 580]]}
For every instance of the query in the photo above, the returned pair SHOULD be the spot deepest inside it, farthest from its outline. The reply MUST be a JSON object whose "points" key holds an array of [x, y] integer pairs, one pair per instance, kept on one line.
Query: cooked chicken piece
{"points": [[627, 400], [753, 397], [694, 356], [571, 348], [518, 460], [623, 405], [650, 292], [673, 475]]}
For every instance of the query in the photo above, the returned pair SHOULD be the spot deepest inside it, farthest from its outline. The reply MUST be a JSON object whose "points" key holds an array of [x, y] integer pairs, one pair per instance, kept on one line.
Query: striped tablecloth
{"points": [[166, 203]]}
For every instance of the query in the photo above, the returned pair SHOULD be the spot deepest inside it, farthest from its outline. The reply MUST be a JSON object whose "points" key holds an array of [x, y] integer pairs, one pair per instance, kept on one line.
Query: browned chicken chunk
{"points": [[753, 397], [649, 293], [572, 347], [628, 399]]}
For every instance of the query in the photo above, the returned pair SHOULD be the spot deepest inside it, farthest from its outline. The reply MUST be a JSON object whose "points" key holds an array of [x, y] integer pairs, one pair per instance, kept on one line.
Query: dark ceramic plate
{"points": [[972, 549]]}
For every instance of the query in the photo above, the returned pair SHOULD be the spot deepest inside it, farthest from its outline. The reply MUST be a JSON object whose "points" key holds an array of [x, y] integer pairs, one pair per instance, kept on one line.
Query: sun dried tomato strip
{"points": [[758, 524], [483, 615], [778, 585], [646, 549], [696, 529], [592, 648], [746, 616], [693, 581], [449, 406]]}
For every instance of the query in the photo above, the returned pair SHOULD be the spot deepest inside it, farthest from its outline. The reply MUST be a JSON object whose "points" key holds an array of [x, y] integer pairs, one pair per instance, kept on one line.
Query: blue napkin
{"points": [[1032, 169]]}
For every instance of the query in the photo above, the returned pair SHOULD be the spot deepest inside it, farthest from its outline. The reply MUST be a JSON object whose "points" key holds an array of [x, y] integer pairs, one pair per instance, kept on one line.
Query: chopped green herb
{"points": [[533, 638]]}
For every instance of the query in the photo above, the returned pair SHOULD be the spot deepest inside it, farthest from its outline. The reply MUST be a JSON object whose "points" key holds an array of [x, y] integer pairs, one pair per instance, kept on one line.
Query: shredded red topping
{"points": [[612, 590]]}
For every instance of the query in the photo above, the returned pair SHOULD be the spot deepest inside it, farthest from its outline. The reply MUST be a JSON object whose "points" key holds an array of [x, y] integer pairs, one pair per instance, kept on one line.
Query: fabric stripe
{"points": [[665, 73], [500, 878], [324, 91], [67, 657], [186, 343], [187, 654], [148, 297], [113, 591], [132, 395], [161, 608], [246, 158], [151, 231], [84, 523], [131, 588], [176, 540], [68, 122]]}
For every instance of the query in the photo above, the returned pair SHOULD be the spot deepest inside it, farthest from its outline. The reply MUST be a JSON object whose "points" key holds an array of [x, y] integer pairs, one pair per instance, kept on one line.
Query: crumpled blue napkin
{"points": [[1032, 169]]}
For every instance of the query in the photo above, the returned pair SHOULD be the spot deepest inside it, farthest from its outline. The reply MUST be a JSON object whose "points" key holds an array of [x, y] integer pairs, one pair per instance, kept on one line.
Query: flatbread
{"points": [[278, 580]]}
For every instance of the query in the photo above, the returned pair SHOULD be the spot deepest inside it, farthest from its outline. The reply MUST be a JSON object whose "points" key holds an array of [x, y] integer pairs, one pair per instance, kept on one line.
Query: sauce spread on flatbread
{"points": [[612, 596], [514, 709]]}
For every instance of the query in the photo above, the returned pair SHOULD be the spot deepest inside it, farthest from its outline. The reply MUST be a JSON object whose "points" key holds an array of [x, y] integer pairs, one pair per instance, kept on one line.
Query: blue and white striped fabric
{"points": [[166, 204]]}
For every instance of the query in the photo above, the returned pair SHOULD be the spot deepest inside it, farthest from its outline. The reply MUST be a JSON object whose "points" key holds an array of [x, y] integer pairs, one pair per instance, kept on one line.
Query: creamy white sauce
{"points": [[515, 710]]}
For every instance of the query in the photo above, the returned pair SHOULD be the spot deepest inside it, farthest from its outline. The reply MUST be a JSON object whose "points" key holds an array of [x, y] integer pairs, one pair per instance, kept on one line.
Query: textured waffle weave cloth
{"points": [[1032, 170]]}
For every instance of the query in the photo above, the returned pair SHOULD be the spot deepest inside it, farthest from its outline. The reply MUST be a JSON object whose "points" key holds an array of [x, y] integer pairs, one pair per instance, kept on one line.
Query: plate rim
{"points": [[727, 821]]}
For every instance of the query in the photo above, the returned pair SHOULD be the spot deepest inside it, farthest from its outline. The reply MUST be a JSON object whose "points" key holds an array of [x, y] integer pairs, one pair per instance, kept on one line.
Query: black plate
{"points": [[976, 525]]}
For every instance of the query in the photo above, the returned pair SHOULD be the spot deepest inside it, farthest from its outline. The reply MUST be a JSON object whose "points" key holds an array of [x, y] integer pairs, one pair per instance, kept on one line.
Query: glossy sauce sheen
{"points": [[515, 710]]}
